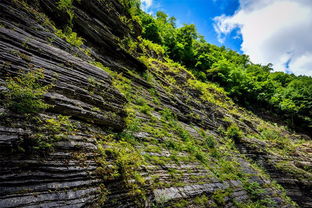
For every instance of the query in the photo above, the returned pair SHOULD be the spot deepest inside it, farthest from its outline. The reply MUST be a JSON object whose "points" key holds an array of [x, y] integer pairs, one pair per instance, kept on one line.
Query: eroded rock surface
{"points": [[68, 175]]}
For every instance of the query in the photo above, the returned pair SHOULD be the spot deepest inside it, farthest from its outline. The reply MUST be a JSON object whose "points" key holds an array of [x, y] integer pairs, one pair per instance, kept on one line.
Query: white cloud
{"points": [[146, 5], [302, 63], [273, 31]]}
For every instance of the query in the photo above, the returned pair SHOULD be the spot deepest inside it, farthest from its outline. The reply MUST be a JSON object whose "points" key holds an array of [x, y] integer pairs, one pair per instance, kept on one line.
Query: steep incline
{"points": [[129, 131]]}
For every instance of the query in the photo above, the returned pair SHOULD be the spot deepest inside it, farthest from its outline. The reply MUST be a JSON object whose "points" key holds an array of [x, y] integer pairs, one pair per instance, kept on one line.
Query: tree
{"points": [[150, 29]]}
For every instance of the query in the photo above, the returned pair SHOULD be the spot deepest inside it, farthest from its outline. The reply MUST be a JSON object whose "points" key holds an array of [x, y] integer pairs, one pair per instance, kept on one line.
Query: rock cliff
{"points": [[129, 128]]}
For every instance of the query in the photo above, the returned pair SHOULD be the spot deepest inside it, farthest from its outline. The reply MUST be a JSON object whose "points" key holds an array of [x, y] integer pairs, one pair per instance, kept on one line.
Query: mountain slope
{"points": [[111, 127]]}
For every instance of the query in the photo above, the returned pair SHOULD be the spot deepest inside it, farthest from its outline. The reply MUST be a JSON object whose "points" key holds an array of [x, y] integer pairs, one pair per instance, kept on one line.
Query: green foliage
{"points": [[210, 142], [184, 50], [252, 85], [146, 44], [228, 170], [269, 134], [183, 133], [151, 31], [119, 81], [127, 159], [142, 105], [70, 36], [180, 204], [167, 114], [67, 6], [123, 85], [296, 97], [210, 92], [233, 132], [201, 201], [126, 163], [257, 195], [102, 196], [101, 66], [133, 6], [51, 130], [130, 45], [254, 190], [25, 93], [220, 195], [25, 96]]}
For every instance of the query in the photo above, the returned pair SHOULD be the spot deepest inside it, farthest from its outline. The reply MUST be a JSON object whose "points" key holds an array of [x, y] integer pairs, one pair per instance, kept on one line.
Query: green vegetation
{"points": [[210, 92], [131, 5], [254, 190], [220, 195], [257, 195], [233, 132], [70, 36], [25, 93], [180, 204], [148, 46], [67, 33], [201, 201], [51, 130], [67, 6], [167, 51], [251, 85], [121, 160], [25, 96]]}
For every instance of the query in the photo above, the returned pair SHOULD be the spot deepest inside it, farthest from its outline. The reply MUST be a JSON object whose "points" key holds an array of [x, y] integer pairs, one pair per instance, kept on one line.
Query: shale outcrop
{"points": [[129, 128]]}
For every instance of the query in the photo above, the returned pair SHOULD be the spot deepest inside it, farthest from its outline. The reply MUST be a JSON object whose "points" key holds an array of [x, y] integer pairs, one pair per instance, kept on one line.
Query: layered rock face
{"points": [[129, 134], [286, 170], [64, 177]]}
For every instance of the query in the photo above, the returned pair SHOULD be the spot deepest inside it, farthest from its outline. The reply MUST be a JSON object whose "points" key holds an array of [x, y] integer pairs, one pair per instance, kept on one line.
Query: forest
{"points": [[254, 86]]}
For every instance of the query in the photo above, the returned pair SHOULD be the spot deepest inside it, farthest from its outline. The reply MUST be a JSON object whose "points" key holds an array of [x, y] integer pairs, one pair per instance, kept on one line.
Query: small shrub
{"points": [[201, 201], [124, 85], [184, 134], [181, 204], [257, 195], [50, 131], [25, 93], [220, 195], [233, 132], [102, 198], [167, 114], [129, 45], [210, 142], [70, 36], [149, 45], [210, 92], [270, 134], [146, 109], [200, 156], [66, 6], [229, 170], [171, 144], [215, 153], [254, 190], [148, 76], [127, 161], [140, 101]]}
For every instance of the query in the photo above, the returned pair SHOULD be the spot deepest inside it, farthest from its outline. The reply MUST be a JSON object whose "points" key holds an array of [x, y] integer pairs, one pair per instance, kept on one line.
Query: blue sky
{"points": [[268, 31]]}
